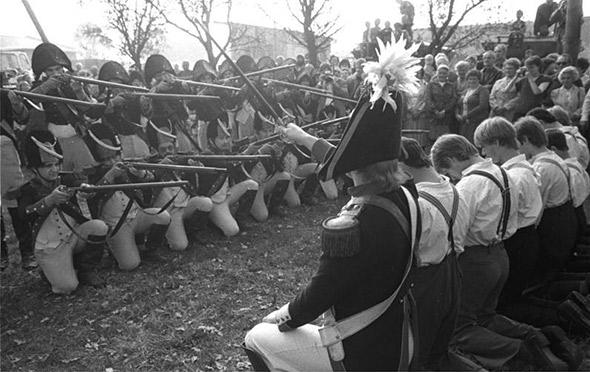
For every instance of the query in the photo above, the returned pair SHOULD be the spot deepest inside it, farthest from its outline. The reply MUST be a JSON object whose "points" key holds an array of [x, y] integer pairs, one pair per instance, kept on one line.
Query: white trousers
{"points": [[296, 350]]}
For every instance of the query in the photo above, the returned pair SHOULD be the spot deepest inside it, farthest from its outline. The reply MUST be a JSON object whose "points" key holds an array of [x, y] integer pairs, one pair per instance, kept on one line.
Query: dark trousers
{"points": [[523, 250], [581, 218], [557, 238], [436, 292]]}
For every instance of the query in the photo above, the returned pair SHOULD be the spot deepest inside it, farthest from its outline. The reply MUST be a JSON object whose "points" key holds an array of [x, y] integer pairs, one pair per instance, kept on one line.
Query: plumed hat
{"points": [[155, 64], [247, 64], [266, 62], [100, 135], [46, 55], [113, 71], [201, 68], [41, 146], [373, 133]]}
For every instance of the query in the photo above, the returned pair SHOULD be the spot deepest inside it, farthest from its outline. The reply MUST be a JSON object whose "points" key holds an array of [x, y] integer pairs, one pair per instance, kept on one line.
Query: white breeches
{"points": [[221, 215], [176, 234]]}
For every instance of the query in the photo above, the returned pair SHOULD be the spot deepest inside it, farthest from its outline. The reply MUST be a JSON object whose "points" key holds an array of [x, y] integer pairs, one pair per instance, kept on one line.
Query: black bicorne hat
{"points": [[201, 68], [101, 135], [112, 71], [224, 67], [266, 62], [41, 146], [372, 135], [155, 64], [247, 64], [46, 55]]}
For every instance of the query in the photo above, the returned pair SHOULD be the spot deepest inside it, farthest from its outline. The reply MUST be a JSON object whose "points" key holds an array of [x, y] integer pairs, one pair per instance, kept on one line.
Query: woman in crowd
{"points": [[502, 97], [569, 96], [474, 105]]}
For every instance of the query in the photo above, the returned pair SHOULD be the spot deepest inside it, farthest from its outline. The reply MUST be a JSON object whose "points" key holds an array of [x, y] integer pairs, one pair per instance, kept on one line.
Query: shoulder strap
{"points": [[505, 192], [449, 218], [389, 206], [566, 172]]}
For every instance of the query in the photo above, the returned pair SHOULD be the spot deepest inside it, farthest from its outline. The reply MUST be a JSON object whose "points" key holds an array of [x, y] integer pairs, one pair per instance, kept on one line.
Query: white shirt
{"points": [[484, 202], [577, 145], [554, 184], [579, 182], [434, 243], [528, 187]]}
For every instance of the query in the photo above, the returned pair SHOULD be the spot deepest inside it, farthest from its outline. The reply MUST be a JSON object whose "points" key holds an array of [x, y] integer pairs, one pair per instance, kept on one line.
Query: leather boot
{"points": [[542, 357], [155, 239], [245, 204], [276, 197], [309, 189], [563, 347], [256, 360], [87, 261]]}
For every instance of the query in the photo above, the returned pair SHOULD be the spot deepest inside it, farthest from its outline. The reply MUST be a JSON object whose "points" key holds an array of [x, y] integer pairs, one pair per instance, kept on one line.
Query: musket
{"points": [[125, 186], [275, 137], [236, 158], [109, 84], [239, 71], [260, 72], [46, 98], [175, 167], [172, 96], [208, 85], [312, 90]]}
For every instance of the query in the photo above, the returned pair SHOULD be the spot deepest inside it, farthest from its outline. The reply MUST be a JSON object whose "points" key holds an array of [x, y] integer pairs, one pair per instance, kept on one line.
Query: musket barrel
{"points": [[176, 167], [209, 85], [222, 157], [46, 98], [127, 186], [109, 84], [173, 96], [261, 72], [275, 137], [316, 91]]}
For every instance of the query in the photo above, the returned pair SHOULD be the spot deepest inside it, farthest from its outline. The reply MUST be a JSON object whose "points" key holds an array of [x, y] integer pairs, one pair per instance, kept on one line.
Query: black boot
{"points": [[309, 189], [245, 204], [256, 360], [563, 347], [87, 261], [155, 239], [276, 197]]}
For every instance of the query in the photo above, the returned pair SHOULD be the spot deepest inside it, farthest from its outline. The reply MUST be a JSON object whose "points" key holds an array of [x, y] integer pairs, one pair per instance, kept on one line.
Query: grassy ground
{"points": [[190, 313]]}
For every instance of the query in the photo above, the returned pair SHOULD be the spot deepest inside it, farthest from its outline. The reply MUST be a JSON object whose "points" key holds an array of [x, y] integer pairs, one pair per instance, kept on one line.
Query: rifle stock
{"points": [[175, 167], [126, 186]]}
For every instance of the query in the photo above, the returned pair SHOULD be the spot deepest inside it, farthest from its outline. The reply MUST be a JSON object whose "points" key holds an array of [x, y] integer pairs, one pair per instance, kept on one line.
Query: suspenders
{"points": [[505, 191], [449, 218], [566, 173]]}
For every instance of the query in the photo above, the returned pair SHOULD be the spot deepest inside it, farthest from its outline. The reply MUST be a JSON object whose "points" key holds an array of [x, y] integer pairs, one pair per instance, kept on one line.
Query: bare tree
{"points": [[93, 40], [140, 26], [203, 12], [318, 22], [445, 18]]}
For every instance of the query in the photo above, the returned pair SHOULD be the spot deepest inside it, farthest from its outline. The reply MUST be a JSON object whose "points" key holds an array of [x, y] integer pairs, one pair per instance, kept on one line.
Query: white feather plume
{"points": [[396, 68]]}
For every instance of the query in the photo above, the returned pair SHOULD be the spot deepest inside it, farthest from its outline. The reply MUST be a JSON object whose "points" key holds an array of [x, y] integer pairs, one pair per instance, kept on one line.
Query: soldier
{"points": [[125, 212], [63, 120], [69, 244], [126, 115], [437, 281], [367, 255]]}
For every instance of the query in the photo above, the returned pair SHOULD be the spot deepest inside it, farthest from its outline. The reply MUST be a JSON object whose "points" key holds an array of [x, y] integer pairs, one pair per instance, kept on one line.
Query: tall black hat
{"points": [[155, 64], [266, 62], [46, 55], [112, 70], [41, 146], [247, 64], [101, 135], [201, 68]]}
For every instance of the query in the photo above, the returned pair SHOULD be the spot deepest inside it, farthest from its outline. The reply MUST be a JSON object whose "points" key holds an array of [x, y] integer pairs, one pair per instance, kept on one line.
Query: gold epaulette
{"points": [[341, 235]]}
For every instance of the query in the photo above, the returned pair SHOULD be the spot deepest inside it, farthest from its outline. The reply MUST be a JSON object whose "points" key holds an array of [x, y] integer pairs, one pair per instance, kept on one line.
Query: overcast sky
{"points": [[61, 18]]}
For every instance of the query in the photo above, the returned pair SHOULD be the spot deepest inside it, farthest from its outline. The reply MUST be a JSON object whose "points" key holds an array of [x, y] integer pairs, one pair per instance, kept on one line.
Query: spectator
{"points": [[582, 65], [542, 20], [77, 68], [442, 59], [94, 72], [344, 64], [549, 67], [500, 53], [528, 53], [558, 18], [461, 68], [355, 81], [502, 97], [186, 73], [585, 116], [474, 105], [367, 33], [489, 73], [334, 61], [385, 34], [440, 103], [374, 32], [429, 70], [472, 60], [569, 96], [518, 25], [531, 88], [279, 60]]}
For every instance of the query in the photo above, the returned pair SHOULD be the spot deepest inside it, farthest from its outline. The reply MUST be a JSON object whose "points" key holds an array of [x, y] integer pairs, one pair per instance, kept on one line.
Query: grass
{"points": [[190, 313]]}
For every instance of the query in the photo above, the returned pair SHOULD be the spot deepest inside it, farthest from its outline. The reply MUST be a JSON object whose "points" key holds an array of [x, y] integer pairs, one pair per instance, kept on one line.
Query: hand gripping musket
{"points": [[260, 72], [108, 84], [305, 127], [312, 90], [172, 96], [175, 167], [125, 186], [46, 98]]}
